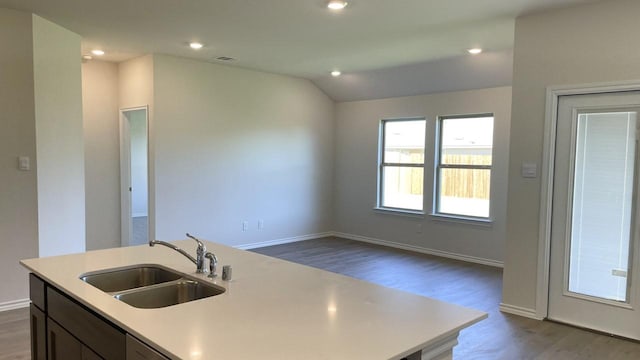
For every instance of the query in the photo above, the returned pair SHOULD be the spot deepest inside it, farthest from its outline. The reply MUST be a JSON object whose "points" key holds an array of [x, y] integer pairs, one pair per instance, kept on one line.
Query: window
{"points": [[401, 173], [463, 174]]}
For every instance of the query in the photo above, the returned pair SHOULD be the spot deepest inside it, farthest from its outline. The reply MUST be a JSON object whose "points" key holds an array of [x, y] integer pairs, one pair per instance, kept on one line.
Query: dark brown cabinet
{"points": [[97, 333], [63, 329], [38, 333], [61, 344], [137, 350], [64, 346]]}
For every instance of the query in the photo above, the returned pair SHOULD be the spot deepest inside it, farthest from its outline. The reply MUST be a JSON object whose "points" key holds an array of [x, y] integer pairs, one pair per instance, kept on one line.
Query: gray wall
{"points": [[234, 145], [18, 195], [102, 154], [585, 44], [357, 126]]}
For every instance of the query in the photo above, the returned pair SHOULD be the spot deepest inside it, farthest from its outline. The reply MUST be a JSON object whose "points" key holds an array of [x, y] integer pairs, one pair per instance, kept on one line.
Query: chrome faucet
{"points": [[198, 260], [213, 263]]}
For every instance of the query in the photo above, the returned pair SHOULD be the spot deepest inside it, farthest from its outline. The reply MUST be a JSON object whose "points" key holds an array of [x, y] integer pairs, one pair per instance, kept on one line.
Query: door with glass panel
{"points": [[594, 233]]}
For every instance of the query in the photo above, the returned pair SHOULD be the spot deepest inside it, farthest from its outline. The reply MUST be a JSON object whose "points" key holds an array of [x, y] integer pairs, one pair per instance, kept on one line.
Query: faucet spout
{"points": [[198, 260], [171, 246]]}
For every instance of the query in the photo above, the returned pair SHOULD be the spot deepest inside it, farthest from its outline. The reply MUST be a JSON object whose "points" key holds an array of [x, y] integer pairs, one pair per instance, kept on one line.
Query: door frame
{"points": [[125, 176], [547, 174]]}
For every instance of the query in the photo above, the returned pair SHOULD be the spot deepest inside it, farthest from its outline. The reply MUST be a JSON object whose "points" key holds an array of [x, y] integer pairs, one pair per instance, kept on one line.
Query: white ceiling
{"points": [[489, 69], [295, 37]]}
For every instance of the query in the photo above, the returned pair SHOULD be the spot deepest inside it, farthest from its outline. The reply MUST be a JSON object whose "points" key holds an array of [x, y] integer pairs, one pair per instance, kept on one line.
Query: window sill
{"points": [[399, 212], [462, 220]]}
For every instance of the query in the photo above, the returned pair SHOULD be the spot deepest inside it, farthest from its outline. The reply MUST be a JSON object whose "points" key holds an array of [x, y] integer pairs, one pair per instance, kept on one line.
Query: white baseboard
{"points": [[521, 311], [15, 304], [283, 241], [420, 249]]}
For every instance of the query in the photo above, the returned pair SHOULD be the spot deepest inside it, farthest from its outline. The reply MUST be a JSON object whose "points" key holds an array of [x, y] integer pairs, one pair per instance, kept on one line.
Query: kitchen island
{"points": [[271, 309]]}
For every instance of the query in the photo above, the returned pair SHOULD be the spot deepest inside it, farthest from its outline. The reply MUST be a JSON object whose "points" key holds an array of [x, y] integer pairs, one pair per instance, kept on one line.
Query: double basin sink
{"points": [[151, 286]]}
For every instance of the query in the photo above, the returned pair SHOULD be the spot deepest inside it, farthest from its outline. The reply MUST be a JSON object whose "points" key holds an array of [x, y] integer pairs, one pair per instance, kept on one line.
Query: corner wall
{"points": [[357, 132], [102, 155], [582, 44], [234, 145], [18, 195], [59, 136]]}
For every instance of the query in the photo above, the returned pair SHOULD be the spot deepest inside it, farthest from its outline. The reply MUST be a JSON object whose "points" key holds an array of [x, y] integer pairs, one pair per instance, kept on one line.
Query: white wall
{"points": [[18, 196], [233, 145], [59, 135], [584, 44], [135, 82], [357, 128], [102, 154], [138, 138]]}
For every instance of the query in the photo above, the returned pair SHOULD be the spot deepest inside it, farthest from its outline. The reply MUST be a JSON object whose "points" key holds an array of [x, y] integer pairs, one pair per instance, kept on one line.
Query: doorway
{"points": [[593, 269], [134, 170]]}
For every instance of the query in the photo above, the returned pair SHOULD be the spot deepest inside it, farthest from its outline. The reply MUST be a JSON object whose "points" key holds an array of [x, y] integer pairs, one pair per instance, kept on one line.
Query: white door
{"points": [[594, 234]]}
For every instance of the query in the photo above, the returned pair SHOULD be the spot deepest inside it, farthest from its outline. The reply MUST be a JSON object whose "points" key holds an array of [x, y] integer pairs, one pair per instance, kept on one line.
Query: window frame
{"points": [[382, 164], [438, 166]]}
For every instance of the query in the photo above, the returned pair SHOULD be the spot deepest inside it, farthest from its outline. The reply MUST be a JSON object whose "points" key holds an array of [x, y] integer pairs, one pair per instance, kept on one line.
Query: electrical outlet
{"points": [[24, 163], [245, 225], [260, 224]]}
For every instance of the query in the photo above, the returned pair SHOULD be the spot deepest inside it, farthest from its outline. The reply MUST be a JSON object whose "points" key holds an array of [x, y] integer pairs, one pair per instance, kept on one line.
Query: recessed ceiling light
{"points": [[475, 51], [336, 73], [195, 45], [337, 4], [87, 57], [97, 52]]}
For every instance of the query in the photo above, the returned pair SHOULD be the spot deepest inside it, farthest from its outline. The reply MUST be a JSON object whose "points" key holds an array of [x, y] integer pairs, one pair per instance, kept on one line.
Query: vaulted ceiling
{"points": [[384, 48]]}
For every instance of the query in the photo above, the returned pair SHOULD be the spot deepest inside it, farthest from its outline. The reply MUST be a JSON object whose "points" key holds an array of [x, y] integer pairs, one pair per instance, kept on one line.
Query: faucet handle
{"points": [[201, 246]]}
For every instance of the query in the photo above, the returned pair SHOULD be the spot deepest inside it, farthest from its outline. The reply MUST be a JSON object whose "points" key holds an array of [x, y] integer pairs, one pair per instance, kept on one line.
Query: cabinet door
{"points": [[87, 354], [137, 350], [38, 334], [61, 344], [37, 290], [95, 332]]}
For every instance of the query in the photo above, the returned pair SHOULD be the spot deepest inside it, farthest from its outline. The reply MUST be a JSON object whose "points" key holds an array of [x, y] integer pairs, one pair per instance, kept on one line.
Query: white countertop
{"points": [[272, 309]]}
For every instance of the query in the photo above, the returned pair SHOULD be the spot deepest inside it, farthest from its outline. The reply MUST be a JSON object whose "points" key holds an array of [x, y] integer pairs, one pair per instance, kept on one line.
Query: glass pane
{"points": [[467, 141], [404, 141], [602, 204], [464, 192], [403, 187]]}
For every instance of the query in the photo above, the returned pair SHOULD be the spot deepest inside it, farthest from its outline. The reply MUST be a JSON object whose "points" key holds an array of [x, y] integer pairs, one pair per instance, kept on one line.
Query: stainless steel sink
{"points": [[125, 279], [151, 286], [169, 294]]}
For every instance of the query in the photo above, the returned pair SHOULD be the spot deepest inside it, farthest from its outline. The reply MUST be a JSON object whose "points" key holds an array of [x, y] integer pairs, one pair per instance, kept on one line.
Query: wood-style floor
{"points": [[501, 336], [14, 334]]}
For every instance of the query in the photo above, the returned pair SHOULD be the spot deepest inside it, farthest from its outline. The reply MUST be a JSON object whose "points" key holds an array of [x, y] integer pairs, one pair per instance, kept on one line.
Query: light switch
{"points": [[529, 170], [23, 163]]}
